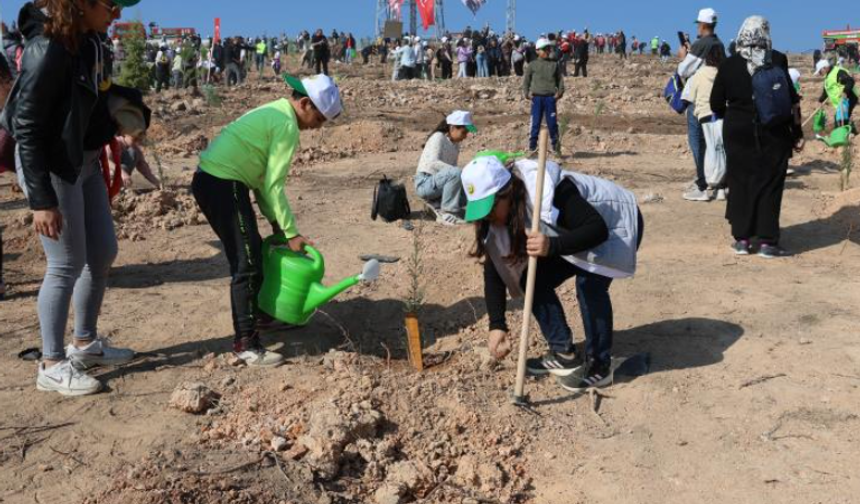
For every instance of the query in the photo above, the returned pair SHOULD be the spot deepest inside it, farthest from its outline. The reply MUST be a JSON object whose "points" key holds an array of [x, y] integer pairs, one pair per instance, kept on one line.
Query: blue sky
{"points": [[796, 24]]}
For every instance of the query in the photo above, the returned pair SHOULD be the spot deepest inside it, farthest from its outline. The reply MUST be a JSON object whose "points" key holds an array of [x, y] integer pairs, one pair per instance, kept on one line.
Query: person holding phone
{"points": [[692, 60]]}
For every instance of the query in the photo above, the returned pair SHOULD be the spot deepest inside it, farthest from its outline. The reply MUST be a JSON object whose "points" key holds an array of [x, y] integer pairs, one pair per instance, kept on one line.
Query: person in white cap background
{"points": [[543, 84], [591, 229], [254, 153], [437, 180], [692, 60]]}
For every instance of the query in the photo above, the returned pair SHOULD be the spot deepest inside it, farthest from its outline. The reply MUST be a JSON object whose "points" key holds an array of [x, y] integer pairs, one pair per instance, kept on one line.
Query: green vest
{"points": [[261, 48], [655, 43], [834, 89]]}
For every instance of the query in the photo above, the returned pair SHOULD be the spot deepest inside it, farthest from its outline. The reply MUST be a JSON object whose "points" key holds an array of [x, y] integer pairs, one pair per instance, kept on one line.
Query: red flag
{"points": [[427, 7], [217, 30]]}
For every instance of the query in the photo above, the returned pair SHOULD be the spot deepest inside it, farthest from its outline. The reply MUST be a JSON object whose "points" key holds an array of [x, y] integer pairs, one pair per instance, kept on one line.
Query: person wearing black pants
{"points": [[227, 206], [595, 238], [581, 56]]}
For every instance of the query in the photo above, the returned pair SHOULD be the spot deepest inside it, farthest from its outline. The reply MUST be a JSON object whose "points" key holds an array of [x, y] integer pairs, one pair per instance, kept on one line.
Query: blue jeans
{"points": [[444, 187], [696, 138], [592, 292], [483, 70], [544, 106]]}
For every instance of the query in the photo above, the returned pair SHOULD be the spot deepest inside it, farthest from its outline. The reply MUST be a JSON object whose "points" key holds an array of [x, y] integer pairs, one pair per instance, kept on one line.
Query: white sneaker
{"points": [[449, 219], [694, 194], [721, 195], [66, 380], [98, 353]]}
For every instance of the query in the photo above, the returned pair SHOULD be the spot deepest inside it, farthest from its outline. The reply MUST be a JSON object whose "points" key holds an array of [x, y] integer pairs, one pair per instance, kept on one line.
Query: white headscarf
{"points": [[754, 43]]}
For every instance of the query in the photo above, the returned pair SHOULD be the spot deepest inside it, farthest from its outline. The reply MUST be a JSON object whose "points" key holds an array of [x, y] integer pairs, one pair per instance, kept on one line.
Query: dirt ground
{"points": [[752, 395]]}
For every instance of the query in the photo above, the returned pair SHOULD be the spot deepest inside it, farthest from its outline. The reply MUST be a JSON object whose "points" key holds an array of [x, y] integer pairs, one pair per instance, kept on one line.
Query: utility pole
{"points": [[511, 16], [383, 14], [413, 17], [440, 19]]}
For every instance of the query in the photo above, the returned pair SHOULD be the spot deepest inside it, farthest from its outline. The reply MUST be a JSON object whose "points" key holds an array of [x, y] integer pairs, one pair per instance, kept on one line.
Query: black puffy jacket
{"points": [[48, 111]]}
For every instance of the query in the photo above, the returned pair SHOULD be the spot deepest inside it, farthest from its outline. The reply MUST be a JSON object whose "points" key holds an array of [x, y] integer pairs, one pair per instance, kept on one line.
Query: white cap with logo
{"points": [[322, 91], [542, 43], [707, 16], [462, 118], [482, 179]]}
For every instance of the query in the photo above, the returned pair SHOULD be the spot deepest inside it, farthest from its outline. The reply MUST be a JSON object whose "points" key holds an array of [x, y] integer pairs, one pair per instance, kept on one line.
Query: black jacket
{"points": [[580, 228], [55, 111], [49, 108]]}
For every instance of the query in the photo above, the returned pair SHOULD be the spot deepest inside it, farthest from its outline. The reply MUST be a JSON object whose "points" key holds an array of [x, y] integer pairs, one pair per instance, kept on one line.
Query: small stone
{"points": [[229, 380], [45, 467], [193, 398], [279, 444]]}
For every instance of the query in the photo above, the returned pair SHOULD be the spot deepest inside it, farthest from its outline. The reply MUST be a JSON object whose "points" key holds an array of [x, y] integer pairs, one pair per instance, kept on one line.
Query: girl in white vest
{"points": [[590, 229]]}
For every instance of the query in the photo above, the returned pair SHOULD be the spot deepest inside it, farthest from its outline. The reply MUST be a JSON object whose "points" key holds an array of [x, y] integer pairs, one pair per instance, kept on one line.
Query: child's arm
{"points": [[146, 170], [527, 82], [272, 197], [559, 82]]}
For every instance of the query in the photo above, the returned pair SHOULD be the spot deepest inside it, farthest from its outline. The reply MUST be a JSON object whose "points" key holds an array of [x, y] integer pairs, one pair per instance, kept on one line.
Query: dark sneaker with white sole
{"points": [[596, 377], [741, 247], [253, 353], [771, 251], [555, 363]]}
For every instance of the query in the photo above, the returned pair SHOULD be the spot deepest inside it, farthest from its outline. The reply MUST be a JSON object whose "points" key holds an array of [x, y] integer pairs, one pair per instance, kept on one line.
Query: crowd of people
{"points": [[593, 227]]}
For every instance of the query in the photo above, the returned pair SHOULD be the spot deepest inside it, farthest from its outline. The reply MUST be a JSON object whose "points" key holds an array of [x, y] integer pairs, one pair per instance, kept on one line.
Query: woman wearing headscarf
{"points": [[757, 153]]}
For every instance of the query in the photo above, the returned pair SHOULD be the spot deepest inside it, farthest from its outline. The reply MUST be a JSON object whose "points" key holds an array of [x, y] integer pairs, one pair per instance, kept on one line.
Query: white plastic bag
{"points": [[715, 153]]}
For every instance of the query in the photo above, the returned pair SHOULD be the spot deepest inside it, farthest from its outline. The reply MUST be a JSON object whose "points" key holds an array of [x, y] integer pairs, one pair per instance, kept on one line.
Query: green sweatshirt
{"points": [[257, 150], [543, 78]]}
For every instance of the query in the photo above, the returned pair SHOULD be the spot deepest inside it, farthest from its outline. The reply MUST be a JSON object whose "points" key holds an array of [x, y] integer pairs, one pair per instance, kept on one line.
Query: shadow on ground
{"points": [[141, 276], [822, 233]]}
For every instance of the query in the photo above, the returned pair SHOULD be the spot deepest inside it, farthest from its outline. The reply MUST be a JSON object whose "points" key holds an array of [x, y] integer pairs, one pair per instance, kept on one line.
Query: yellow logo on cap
{"points": [[470, 189]]}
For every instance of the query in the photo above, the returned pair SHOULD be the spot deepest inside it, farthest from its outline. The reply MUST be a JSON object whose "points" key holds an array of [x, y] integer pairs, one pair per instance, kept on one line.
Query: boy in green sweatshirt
{"points": [[543, 84], [254, 153]]}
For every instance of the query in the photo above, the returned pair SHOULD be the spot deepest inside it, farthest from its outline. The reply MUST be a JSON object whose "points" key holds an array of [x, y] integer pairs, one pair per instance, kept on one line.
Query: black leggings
{"points": [[227, 206]]}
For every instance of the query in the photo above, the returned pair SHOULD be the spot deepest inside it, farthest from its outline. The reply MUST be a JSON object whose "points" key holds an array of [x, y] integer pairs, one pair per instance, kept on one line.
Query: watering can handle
{"points": [[315, 255]]}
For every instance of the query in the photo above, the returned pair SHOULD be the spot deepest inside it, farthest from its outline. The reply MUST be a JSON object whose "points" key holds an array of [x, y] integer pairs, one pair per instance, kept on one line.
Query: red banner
{"points": [[217, 30], [426, 8]]}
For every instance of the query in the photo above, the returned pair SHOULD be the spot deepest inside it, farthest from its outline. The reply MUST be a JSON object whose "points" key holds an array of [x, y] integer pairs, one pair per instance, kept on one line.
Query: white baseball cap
{"points": [[462, 118], [322, 91], [794, 74], [541, 43], [821, 65], [707, 16], [482, 179], [444, 40]]}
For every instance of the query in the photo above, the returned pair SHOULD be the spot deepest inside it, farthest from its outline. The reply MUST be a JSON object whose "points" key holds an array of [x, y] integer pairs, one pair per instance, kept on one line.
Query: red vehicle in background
{"points": [[123, 30], [171, 33], [836, 39]]}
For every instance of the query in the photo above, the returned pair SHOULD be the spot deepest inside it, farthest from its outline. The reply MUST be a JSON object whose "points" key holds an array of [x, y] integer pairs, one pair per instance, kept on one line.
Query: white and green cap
{"points": [[462, 118], [482, 179], [322, 91]]}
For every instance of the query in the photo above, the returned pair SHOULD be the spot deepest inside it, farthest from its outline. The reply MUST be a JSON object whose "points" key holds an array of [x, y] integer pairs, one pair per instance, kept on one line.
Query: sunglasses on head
{"points": [[114, 9]]}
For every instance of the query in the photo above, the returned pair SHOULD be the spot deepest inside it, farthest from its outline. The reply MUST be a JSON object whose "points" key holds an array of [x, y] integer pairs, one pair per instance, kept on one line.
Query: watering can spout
{"points": [[320, 294]]}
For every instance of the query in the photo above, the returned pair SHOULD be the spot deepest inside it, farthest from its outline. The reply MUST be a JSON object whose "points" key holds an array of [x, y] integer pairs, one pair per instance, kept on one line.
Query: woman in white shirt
{"points": [[437, 180]]}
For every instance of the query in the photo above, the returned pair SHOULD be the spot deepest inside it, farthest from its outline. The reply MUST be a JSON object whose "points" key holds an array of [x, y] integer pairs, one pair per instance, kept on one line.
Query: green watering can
{"points": [[839, 137], [502, 156], [292, 282]]}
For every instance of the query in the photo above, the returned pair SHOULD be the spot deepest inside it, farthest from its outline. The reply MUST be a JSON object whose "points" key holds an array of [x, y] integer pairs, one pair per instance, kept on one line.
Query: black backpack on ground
{"points": [[390, 201]]}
